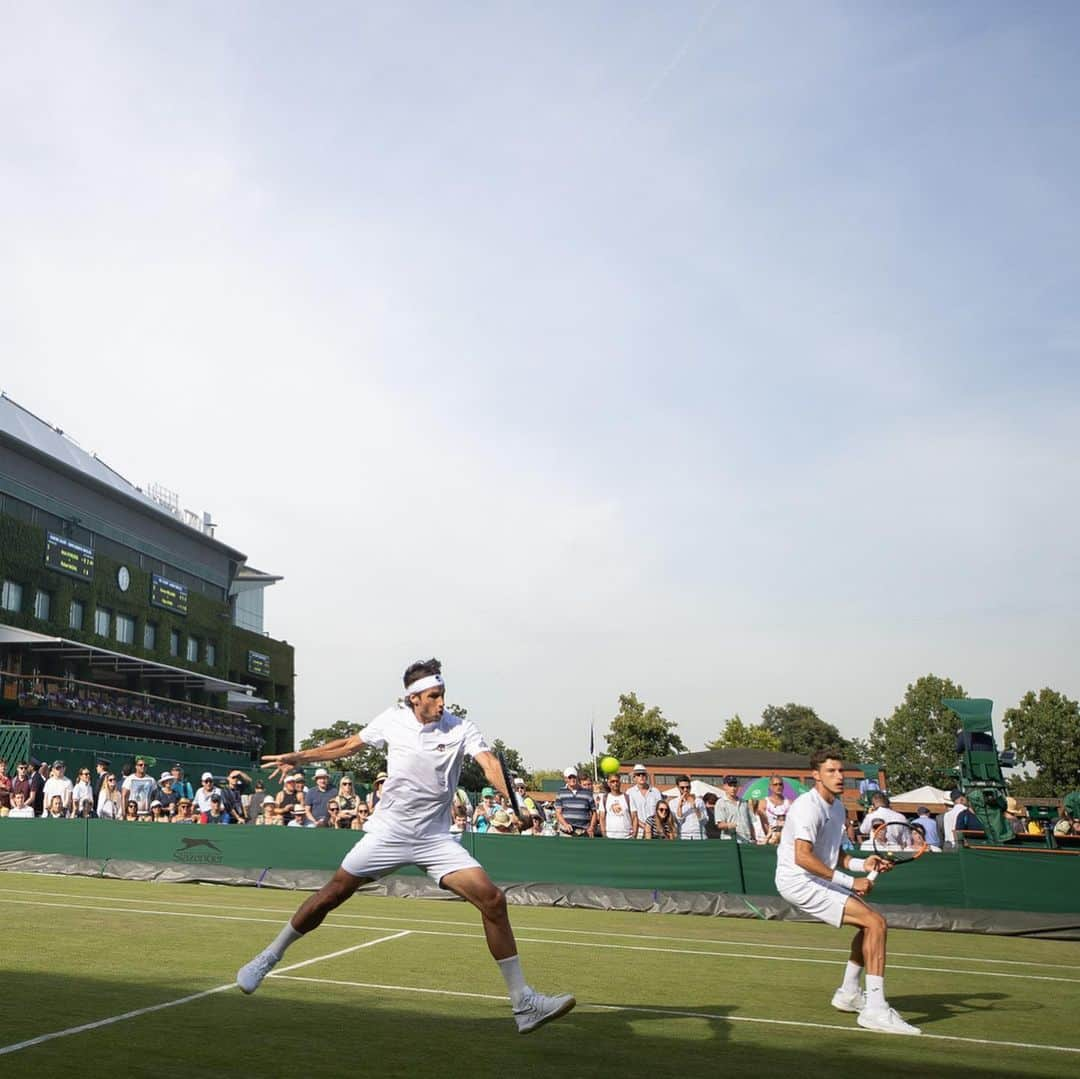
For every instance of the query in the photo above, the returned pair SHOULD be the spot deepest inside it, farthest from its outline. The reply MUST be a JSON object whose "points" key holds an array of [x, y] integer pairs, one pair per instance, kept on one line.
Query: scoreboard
{"points": [[168, 595], [67, 557], [258, 663]]}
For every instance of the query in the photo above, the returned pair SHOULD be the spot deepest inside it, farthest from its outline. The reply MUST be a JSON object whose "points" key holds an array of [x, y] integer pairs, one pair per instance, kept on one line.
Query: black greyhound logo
{"points": [[190, 851], [188, 843]]}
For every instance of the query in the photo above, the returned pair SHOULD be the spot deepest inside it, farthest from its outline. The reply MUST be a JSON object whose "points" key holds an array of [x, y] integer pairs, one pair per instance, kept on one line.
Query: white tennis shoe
{"points": [[886, 1021], [249, 977], [849, 1000], [535, 1010]]}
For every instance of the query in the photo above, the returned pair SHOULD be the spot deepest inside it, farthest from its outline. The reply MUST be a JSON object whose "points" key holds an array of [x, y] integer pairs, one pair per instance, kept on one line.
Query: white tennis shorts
{"points": [[378, 854], [820, 899]]}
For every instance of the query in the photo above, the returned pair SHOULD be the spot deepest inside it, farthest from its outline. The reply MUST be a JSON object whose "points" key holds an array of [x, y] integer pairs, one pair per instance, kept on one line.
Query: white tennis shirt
{"points": [[821, 824], [423, 767]]}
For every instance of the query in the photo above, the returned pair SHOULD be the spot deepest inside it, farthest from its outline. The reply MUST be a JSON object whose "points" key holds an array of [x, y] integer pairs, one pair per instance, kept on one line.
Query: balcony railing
{"points": [[124, 706]]}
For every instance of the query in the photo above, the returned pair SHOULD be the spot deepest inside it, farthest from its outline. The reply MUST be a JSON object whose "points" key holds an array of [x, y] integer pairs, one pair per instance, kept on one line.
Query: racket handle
{"points": [[872, 875]]}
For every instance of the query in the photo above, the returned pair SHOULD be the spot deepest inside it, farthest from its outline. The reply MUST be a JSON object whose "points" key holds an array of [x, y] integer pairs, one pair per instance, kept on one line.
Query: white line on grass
{"points": [[582, 932], [540, 940], [680, 1014], [83, 1027]]}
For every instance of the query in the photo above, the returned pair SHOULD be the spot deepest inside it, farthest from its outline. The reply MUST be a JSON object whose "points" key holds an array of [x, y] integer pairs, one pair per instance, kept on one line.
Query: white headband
{"points": [[423, 683]]}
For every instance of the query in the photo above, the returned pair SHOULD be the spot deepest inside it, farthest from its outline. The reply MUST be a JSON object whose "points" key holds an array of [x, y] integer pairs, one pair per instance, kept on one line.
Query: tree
{"points": [[472, 775], [639, 732], [859, 752], [917, 743], [363, 766], [738, 735], [1045, 732], [799, 729]]}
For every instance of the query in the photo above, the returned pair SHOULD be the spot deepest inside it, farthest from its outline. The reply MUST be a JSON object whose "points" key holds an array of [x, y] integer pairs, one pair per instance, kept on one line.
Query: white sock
{"points": [[875, 992], [852, 977], [515, 980], [283, 940]]}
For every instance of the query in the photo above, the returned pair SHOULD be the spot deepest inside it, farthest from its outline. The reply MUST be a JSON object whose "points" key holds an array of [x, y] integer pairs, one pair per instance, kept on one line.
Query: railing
{"points": [[47, 692]]}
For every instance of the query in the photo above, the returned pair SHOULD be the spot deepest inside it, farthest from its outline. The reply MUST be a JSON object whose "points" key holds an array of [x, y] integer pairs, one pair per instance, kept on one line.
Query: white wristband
{"points": [[843, 879], [856, 865]]}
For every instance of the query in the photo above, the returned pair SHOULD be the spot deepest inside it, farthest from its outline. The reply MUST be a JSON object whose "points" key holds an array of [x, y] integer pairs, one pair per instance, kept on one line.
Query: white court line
{"points": [[538, 940], [83, 1027], [683, 1014], [579, 932]]}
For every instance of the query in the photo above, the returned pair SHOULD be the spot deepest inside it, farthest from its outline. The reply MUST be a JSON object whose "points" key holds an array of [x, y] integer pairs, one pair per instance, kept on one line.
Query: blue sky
{"points": [[723, 353]]}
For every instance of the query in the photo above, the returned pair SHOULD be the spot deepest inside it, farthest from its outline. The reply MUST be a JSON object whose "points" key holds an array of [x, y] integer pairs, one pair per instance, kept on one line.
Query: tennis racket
{"points": [[515, 802], [897, 843]]}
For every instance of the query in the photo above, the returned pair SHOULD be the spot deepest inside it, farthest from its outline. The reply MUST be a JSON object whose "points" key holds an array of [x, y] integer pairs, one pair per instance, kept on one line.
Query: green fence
{"points": [[1026, 880], [14, 745]]}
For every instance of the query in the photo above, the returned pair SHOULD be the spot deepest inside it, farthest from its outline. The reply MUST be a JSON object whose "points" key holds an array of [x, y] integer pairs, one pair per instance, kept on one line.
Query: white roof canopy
{"points": [[923, 796], [121, 662]]}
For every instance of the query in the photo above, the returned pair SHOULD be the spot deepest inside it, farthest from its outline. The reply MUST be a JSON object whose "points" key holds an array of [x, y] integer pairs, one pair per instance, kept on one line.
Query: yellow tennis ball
{"points": [[609, 765]]}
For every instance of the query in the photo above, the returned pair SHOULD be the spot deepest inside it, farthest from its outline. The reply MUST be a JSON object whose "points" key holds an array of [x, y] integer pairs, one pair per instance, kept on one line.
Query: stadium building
{"points": [[126, 628]]}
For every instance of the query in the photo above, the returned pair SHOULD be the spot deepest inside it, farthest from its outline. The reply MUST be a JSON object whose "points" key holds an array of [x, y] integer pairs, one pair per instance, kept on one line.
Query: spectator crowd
{"points": [[176, 716], [580, 809]]}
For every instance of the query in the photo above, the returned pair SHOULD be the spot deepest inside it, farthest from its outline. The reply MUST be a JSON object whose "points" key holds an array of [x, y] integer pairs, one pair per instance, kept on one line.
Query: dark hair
{"points": [[422, 668], [820, 756], [681, 779]]}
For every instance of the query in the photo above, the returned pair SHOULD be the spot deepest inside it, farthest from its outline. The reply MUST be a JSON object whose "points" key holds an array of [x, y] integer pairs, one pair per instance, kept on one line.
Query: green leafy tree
{"points": [[472, 775], [739, 735], [858, 751], [799, 729], [637, 731], [1045, 731], [363, 766], [917, 743]]}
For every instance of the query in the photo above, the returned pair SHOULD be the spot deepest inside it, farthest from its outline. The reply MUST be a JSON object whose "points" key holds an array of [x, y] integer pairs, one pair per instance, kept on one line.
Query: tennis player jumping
{"points": [[810, 875], [425, 745]]}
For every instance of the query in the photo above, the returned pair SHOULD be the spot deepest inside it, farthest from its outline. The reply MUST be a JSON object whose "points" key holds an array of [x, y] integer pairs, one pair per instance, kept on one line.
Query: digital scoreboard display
{"points": [[259, 663], [67, 557], [168, 595]]}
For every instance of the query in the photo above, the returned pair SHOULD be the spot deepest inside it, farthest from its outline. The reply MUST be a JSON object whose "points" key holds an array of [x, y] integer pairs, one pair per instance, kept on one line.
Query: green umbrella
{"points": [[759, 788]]}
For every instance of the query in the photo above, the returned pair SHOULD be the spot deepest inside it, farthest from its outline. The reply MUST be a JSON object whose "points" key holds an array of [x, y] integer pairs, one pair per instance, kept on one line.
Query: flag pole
{"points": [[592, 746]]}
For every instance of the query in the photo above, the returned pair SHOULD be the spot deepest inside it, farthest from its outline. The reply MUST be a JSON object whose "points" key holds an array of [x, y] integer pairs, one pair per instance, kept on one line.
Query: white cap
{"points": [[208, 775], [519, 782], [321, 772], [164, 776], [639, 768], [297, 777], [567, 773]]}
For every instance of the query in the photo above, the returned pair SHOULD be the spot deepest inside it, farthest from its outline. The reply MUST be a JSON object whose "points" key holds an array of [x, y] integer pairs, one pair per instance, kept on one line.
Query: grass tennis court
{"points": [[406, 986]]}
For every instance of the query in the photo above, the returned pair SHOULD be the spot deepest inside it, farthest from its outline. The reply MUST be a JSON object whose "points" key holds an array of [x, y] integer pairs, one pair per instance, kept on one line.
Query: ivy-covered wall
{"points": [[277, 689], [22, 560]]}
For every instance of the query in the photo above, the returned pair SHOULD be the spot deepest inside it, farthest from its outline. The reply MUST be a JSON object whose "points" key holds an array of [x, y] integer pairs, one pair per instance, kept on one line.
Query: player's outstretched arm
{"points": [[281, 763]]}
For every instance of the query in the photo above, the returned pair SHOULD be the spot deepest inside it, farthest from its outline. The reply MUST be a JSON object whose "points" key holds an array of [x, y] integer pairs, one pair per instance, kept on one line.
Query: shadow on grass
{"points": [[291, 1027], [925, 1009]]}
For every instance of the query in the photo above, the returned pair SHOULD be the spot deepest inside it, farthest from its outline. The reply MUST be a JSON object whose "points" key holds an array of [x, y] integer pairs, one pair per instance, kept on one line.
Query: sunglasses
{"points": [[682, 788]]}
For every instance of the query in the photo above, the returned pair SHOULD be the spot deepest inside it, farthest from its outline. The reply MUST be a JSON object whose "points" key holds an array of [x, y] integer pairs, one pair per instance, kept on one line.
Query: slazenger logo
{"points": [[191, 850]]}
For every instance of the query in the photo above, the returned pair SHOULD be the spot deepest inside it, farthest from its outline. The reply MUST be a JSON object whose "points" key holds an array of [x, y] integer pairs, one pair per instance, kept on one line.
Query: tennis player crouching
{"points": [[425, 745], [810, 875]]}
